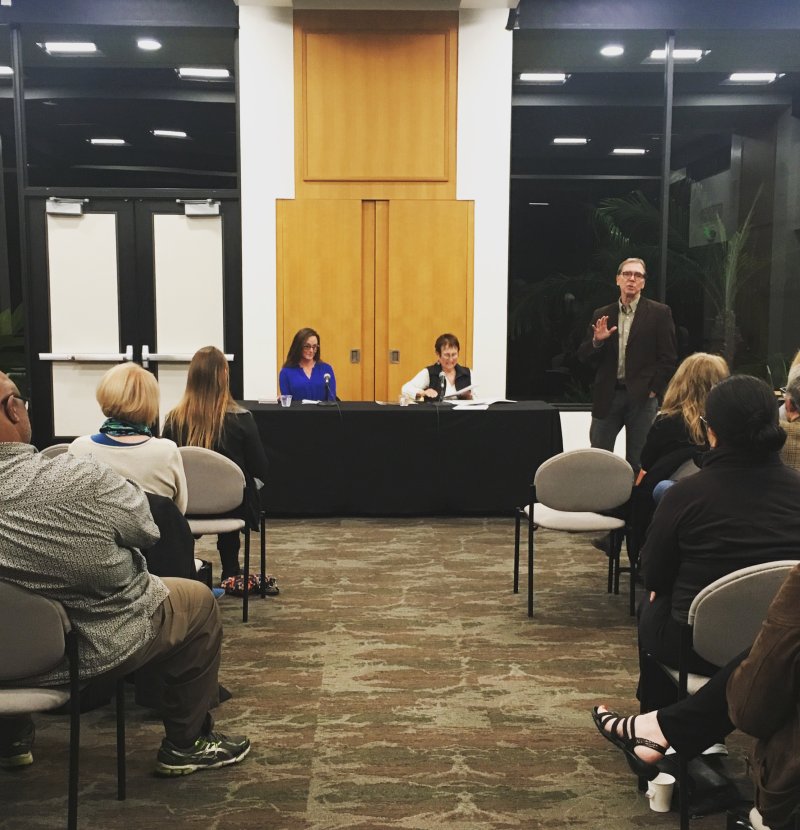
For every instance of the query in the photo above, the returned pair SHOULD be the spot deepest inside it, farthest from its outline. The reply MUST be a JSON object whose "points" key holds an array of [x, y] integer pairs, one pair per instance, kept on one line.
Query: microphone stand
{"points": [[327, 401]]}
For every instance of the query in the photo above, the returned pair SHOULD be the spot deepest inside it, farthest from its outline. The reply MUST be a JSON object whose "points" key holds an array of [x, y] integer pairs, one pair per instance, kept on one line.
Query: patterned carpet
{"points": [[396, 683]]}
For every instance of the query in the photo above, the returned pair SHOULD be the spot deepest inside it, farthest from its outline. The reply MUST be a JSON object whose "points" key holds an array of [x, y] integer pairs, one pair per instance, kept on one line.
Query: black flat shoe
{"points": [[628, 741]]}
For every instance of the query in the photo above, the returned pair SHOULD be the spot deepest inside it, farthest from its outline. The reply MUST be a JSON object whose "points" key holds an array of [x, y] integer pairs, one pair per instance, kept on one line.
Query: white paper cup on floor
{"points": [[659, 791], [286, 400]]}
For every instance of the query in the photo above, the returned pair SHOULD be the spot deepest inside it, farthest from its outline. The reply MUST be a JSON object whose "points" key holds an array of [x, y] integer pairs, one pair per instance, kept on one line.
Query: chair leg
{"points": [[610, 586], [530, 568], [518, 519], [616, 550], [74, 732], [121, 774], [246, 596], [683, 792], [634, 569], [263, 529]]}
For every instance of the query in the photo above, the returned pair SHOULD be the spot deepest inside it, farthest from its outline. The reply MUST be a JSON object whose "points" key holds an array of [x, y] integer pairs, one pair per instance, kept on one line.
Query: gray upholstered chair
{"points": [[724, 620], [42, 637], [569, 491], [216, 487], [54, 449]]}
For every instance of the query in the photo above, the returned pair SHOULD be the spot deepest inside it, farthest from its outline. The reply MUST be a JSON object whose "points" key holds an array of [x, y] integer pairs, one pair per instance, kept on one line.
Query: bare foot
{"points": [[646, 726]]}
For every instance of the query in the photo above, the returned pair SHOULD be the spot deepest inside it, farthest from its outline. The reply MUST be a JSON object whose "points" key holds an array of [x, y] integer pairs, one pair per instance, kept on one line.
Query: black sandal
{"points": [[628, 741]]}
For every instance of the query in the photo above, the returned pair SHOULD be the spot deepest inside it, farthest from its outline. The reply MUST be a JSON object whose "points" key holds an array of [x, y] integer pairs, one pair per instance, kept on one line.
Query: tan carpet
{"points": [[397, 683]]}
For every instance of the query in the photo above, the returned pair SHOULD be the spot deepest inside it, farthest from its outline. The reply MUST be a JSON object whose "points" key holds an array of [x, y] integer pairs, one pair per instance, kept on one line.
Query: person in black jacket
{"points": [[631, 346], [208, 416], [740, 509]]}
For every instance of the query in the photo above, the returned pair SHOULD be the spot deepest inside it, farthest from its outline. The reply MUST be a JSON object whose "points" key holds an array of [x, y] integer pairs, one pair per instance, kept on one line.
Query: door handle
{"points": [[355, 355], [88, 357], [394, 355], [159, 357]]}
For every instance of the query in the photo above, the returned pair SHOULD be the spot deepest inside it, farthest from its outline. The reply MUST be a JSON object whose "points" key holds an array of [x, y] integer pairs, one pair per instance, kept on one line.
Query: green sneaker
{"points": [[18, 753], [208, 752]]}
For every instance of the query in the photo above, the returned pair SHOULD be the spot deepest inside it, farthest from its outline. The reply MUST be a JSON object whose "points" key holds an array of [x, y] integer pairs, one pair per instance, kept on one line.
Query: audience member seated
{"points": [[427, 383], [303, 373], [208, 416], [70, 529], [128, 396], [791, 402], [677, 435], [758, 693], [740, 509]]}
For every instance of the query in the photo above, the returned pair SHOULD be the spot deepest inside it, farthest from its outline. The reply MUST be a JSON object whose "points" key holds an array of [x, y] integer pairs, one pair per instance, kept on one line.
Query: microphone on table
{"points": [[442, 385], [328, 398]]}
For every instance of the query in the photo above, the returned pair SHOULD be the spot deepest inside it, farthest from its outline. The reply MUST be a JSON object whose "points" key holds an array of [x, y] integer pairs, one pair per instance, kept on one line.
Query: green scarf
{"points": [[113, 427]]}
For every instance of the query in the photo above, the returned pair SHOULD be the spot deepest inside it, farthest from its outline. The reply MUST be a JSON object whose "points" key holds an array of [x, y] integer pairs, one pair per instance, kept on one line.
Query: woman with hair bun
{"points": [[740, 509]]}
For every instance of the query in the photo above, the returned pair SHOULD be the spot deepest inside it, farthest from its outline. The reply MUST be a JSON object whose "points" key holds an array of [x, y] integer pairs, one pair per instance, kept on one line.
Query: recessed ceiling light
{"points": [[543, 77], [169, 133], [613, 50], [752, 78], [149, 44], [66, 47], [6, 71], [109, 142], [205, 73], [678, 55], [570, 140], [628, 151], [539, 204]]}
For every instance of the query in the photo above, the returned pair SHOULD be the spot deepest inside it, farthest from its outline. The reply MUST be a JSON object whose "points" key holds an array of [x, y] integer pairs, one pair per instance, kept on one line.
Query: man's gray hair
{"points": [[793, 386]]}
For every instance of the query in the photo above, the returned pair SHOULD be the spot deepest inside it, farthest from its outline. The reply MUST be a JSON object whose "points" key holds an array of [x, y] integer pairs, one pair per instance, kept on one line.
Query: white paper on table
{"points": [[314, 403], [472, 406], [458, 393]]}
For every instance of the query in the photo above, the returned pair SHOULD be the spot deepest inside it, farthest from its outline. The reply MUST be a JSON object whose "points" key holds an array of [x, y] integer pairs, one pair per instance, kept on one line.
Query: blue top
{"points": [[293, 381]]}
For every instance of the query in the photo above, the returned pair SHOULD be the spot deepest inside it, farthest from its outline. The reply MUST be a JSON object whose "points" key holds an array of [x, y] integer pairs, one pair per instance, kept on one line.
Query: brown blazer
{"points": [[764, 701], [650, 359]]}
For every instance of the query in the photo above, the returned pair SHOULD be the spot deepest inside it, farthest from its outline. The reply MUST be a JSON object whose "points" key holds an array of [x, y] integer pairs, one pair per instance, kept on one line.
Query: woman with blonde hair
{"points": [[678, 435], [208, 416], [128, 396]]}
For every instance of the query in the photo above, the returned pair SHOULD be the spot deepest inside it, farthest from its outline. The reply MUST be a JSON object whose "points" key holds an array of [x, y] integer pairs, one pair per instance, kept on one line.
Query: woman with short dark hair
{"points": [[427, 383]]}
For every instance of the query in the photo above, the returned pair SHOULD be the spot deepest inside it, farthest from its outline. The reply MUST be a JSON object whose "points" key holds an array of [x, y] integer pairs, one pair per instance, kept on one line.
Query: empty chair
{"points": [[568, 492], [42, 637]]}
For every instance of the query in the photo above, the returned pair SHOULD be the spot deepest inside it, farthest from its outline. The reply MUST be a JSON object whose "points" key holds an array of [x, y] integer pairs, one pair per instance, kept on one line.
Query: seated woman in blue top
{"points": [[303, 373]]}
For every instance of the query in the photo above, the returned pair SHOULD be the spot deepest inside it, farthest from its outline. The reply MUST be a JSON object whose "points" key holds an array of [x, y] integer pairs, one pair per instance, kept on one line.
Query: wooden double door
{"points": [[379, 281]]}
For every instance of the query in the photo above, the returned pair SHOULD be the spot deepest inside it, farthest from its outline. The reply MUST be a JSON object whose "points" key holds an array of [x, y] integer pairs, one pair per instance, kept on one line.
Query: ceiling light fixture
{"points": [[108, 142], [752, 78], [169, 133], [66, 47], [539, 204], [678, 55], [6, 71], [628, 151], [149, 44], [543, 77], [613, 50], [203, 73], [575, 141]]}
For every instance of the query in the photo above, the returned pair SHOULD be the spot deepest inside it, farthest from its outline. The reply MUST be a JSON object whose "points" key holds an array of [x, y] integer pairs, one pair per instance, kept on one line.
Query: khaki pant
{"points": [[178, 667]]}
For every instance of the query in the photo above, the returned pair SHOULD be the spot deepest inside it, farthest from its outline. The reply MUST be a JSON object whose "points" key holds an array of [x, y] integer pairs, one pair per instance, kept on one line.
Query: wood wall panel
{"points": [[375, 105], [428, 286], [320, 284]]}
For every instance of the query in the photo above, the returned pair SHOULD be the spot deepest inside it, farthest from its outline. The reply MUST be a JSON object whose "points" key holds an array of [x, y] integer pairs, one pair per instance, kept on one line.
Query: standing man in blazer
{"points": [[631, 344]]}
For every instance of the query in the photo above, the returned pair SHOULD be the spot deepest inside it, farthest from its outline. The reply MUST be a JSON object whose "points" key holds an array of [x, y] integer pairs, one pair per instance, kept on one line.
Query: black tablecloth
{"points": [[365, 459]]}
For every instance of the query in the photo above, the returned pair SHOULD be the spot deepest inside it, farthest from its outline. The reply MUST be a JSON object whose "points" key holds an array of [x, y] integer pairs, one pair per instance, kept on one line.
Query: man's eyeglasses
{"points": [[313, 346], [24, 401], [637, 274]]}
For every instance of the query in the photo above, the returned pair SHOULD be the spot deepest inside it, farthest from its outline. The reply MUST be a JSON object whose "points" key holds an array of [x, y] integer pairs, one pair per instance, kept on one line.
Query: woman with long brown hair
{"points": [[208, 416], [304, 375]]}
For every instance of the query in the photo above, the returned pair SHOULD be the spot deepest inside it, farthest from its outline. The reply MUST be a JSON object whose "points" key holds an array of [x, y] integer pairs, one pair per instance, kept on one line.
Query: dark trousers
{"points": [[179, 666], [637, 420], [700, 720], [660, 637]]}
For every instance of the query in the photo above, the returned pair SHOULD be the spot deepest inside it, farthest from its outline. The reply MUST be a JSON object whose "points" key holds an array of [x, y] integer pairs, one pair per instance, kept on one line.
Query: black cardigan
{"points": [[738, 510]]}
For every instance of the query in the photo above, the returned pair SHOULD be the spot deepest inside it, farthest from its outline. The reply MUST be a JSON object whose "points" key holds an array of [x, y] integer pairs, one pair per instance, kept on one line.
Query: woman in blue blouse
{"points": [[303, 373]]}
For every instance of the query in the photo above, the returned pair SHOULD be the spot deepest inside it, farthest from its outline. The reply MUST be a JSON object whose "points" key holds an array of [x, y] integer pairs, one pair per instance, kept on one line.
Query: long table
{"points": [[367, 459]]}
